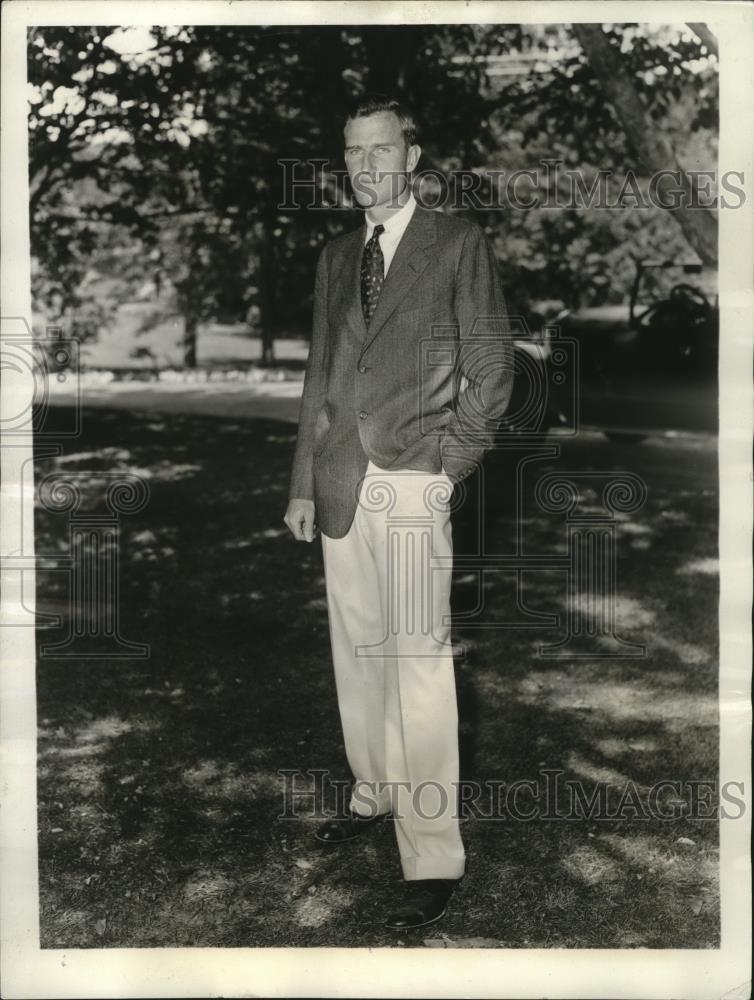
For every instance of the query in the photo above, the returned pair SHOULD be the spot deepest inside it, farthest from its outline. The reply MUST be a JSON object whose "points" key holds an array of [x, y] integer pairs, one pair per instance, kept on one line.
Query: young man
{"points": [[408, 375]]}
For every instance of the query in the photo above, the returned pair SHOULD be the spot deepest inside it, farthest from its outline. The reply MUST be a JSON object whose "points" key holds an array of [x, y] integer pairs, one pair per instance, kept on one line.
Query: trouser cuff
{"points": [[429, 867]]}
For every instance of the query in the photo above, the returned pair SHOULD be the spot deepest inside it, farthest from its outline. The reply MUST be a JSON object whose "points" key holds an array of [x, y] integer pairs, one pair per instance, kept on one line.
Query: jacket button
{"points": [[362, 368], [363, 414]]}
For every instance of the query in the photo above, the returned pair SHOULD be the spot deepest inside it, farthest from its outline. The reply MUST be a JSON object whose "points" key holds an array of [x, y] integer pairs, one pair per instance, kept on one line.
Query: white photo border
{"points": [[30, 972]]}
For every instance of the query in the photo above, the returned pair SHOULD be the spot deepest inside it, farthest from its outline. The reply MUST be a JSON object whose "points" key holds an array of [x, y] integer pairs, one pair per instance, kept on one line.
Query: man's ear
{"points": [[412, 157]]}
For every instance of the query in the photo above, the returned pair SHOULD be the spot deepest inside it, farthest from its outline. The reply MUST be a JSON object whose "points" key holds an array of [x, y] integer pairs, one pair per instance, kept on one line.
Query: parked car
{"points": [[651, 364]]}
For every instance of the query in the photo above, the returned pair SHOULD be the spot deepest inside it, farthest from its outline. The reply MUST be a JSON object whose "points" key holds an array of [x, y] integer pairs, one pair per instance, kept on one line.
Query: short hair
{"points": [[374, 104]]}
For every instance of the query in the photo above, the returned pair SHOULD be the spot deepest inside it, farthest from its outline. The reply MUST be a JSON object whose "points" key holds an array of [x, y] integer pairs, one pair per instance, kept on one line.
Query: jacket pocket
{"points": [[433, 429]]}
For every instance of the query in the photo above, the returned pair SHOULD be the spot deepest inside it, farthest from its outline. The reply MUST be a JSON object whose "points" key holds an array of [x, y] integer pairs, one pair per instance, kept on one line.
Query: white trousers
{"points": [[388, 594]]}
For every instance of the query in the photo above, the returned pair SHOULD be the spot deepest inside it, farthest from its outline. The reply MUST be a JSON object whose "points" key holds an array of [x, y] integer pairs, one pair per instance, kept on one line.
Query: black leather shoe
{"points": [[426, 903], [338, 831]]}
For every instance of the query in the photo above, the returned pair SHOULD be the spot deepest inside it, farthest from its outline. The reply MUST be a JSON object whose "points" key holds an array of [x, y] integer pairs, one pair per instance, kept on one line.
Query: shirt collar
{"points": [[396, 223]]}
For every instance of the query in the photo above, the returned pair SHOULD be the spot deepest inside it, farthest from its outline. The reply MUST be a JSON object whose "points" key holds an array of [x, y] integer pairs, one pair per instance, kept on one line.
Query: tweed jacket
{"points": [[423, 386]]}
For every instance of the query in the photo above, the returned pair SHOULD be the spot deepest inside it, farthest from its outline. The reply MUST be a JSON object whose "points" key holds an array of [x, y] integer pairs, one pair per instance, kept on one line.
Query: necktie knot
{"points": [[373, 245]]}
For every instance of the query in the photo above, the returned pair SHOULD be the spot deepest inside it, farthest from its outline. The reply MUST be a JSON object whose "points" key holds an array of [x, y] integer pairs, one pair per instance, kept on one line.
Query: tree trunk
{"points": [[653, 152], [391, 53], [705, 36], [268, 348], [332, 93], [190, 330], [266, 281]]}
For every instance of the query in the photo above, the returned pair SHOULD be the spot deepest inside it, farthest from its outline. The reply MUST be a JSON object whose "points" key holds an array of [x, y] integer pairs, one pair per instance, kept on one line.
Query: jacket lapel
{"points": [[352, 252], [409, 261]]}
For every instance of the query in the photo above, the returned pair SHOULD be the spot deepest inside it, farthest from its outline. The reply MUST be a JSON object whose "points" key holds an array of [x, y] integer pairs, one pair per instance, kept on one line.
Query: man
{"points": [[408, 375]]}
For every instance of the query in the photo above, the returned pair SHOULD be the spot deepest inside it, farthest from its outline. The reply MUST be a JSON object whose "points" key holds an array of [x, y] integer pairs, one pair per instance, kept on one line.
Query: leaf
{"points": [[686, 842], [100, 926]]}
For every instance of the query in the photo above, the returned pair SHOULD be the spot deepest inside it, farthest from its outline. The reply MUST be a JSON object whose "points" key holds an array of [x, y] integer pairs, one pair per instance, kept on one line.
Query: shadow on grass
{"points": [[159, 791]]}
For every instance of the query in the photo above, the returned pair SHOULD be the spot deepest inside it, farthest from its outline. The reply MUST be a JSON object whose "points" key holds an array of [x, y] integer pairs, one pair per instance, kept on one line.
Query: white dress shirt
{"points": [[395, 227]]}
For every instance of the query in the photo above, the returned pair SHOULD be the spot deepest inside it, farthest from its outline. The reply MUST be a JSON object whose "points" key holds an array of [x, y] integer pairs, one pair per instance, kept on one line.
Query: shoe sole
{"points": [[416, 927]]}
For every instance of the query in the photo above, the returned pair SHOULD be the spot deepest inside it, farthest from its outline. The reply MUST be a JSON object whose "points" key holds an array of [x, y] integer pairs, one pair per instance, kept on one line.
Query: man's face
{"points": [[377, 158]]}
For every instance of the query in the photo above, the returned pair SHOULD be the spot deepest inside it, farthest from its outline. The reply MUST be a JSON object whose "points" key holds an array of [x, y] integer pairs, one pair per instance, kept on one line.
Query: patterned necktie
{"points": [[372, 274]]}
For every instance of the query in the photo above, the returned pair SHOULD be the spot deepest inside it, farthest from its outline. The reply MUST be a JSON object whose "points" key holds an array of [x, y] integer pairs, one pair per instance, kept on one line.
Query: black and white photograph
{"points": [[376, 549]]}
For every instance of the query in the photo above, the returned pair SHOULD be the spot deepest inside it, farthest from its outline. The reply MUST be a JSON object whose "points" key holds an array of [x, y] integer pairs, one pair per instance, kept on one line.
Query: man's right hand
{"points": [[300, 519]]}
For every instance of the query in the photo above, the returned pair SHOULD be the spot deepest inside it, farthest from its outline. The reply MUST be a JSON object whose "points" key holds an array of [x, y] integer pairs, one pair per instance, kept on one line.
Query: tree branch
{"points": [[705, 36], [653, 152]]}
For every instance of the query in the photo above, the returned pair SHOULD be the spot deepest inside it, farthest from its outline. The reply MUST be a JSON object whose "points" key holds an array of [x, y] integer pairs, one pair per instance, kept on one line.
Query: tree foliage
{"points": [[165, 142]]}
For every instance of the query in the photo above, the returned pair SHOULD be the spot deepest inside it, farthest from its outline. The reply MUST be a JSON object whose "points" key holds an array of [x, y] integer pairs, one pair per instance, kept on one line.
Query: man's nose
{"points": [[362, 166], [371, 165]]}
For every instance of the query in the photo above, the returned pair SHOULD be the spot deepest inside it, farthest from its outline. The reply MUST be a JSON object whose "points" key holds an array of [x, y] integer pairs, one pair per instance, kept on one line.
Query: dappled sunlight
{"points": [[284, 439], [264, 491], [674, 516], [594, 772], [111, 727], [621, 702], [166, 471], [90, 750], [231, 544], [227, 600], [641, 544], [107, 455], [84, 761], [493, 684], [708, 566], [651, 852], [316, 604], [611, 746], [629, 612], [205, 885], [685, 873], [214, 781], [686, 652], [123, 461], [268, 533], [682, 865], [86, 773], [634, 528], [145, 546], [316, 910], [160, 778], [589, 865]]}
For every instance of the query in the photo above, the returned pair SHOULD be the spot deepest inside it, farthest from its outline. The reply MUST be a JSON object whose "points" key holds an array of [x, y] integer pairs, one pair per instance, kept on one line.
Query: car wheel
{"points": [[625, 437]]}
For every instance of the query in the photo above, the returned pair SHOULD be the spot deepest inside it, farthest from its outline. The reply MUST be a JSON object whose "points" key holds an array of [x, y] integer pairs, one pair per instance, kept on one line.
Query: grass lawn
{"points": [[159, 792]]}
